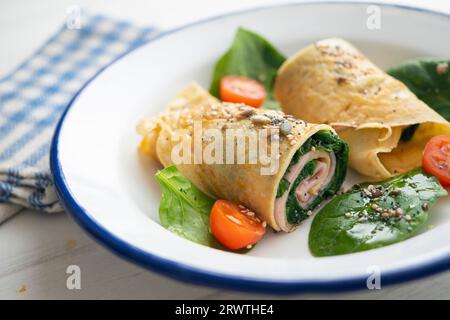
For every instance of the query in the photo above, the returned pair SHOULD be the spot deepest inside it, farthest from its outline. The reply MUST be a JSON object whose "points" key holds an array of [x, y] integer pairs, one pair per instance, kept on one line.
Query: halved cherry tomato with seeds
{"points": [[436, 159], [233, 228], [240, 89]]}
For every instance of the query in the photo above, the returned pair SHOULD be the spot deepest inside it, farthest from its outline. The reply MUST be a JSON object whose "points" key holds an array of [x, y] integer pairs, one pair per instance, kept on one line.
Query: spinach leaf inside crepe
{"points": [[322, 140]]}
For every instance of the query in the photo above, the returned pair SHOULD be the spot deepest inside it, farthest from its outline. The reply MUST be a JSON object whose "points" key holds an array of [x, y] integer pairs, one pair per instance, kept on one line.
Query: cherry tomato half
{"points": [[232, 228], [239, 89], [436, 159]]}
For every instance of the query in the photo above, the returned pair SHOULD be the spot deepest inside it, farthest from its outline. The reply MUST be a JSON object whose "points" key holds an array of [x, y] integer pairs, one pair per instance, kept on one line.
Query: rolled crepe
{"points": [[310, 159], [331, 82]]}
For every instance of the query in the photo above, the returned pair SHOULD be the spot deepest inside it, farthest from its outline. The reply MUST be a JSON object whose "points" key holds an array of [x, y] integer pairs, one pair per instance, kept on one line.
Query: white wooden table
{"points": [[36, 249]]}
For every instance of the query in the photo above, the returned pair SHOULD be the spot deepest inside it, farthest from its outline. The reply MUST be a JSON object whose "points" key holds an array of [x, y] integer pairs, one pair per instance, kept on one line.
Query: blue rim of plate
{"points": [[188, 274]]}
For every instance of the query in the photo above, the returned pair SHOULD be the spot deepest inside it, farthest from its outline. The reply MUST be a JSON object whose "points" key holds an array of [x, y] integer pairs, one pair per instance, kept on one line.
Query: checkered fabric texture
{"points": [[33, 97]]}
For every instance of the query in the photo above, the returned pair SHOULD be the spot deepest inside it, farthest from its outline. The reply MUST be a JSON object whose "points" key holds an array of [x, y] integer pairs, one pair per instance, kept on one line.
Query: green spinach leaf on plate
{"points": [[429, 79], [184, 209], [374, 215], [252, 56]]}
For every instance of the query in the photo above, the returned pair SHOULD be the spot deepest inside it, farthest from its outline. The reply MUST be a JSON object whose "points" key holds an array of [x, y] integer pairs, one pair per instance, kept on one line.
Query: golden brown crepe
{"points": [[241, 183], [331, 82]]}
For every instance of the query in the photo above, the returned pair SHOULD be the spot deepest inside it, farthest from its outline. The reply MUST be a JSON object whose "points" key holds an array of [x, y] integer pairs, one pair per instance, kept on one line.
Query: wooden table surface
{"points": [[36, 248]]}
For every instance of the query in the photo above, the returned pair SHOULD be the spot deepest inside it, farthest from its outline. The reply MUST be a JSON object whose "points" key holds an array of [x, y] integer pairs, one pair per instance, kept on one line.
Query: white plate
{"points": [[113, 195]]}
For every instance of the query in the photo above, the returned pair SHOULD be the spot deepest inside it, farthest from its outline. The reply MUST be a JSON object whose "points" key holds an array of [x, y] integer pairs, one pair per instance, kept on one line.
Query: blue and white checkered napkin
{"points": [[33, 97]]}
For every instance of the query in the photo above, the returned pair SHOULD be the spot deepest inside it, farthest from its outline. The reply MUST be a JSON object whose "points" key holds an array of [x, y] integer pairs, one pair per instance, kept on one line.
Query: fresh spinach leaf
{"points": [[252, 56], [429, 79], [184, 209], [374, 215]]}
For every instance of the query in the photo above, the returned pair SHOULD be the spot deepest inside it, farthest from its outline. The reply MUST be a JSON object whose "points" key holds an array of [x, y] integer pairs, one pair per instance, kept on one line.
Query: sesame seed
{"points": [[233, 219], [285, 127], [245, 112], [259, 119], [264, 224], [408, 217], [249, 246]]}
